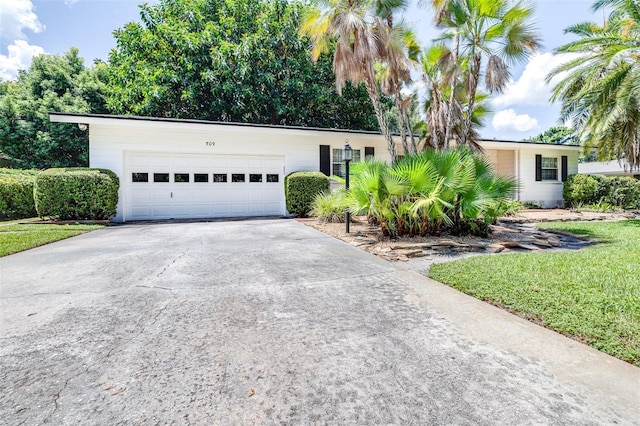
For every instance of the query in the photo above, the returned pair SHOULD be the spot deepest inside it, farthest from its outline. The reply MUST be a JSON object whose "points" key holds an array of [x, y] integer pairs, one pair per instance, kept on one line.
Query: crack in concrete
{"points": [[86, 369], [172, 262]]}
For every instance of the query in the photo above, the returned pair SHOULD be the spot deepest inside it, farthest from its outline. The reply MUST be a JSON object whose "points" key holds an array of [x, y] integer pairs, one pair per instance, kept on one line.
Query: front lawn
{"points": [[16, 237], [592, 295]]}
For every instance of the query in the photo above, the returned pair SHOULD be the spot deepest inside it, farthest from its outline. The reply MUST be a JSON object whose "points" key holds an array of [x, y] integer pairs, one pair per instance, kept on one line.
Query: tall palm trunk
{"points": [[374, 95], [474, 75], [449, 123], [401, 128]]}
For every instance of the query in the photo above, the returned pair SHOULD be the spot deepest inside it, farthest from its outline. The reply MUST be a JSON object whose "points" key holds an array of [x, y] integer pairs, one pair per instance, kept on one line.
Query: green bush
{"points": [[300, 188], [16, 193], [329, 206], [624, 192], [76, 193], [501, 207], [584, 189]]}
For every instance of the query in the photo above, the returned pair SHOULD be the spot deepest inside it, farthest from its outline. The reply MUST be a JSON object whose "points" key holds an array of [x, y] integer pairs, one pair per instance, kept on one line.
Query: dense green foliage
{"points": [[584, 189], [300, 188], [330, 206], [429, 193], [76, 193], [556, 135], [52, 83], [228, 60], [619, 191], [15, 238], [16, 194], [592, 294], [599, 90]]}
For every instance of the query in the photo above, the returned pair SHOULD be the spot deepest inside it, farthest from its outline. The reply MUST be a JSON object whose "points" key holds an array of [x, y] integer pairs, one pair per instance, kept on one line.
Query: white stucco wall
{"points": [[111, 139], [547, 194]]}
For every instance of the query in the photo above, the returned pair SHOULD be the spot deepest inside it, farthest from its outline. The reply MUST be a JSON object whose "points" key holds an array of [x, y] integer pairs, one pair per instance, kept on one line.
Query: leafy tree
{"points": [[600, 94], [483, 37], [52, 83], [556, 135], [228, 60]]}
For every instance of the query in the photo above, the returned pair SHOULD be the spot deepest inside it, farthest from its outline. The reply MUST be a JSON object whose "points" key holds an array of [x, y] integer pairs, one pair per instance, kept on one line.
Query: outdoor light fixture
{"points": [[347, 156]]}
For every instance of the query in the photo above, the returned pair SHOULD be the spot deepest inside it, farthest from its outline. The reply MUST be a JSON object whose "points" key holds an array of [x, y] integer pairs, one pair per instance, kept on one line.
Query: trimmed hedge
{"points": [[300, 188], [619, 191], [76, 193], [16, 193]]}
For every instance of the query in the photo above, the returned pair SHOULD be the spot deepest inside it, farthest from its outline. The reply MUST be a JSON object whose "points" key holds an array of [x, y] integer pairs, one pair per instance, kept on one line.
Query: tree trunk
{"points": [[374, 95], [403, 134], [473, 87], [449, 124], [414, 146]]}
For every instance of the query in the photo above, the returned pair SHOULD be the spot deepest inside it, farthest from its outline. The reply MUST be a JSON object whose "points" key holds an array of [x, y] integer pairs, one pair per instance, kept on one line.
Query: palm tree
{"points": [[600, 95], [429, 192], [445, 100], [350, 24], [401, 55], [487, 36]]}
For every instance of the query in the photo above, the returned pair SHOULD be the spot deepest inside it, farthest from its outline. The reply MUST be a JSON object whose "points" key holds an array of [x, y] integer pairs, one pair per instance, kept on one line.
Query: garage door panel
{"points": [[184, 197]]}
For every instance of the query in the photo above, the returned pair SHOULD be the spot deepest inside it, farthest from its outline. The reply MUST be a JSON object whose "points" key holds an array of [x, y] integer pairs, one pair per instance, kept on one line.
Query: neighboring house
{"points": [[171, 168], [607, 168]]}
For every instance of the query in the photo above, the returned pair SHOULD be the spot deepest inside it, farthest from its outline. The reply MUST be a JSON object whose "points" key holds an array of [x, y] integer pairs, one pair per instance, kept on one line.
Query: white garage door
{"points": [[173, 186]]}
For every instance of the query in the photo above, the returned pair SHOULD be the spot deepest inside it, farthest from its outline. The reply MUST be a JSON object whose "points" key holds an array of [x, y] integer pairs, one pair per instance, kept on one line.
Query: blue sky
{"points": [[30, 27]]}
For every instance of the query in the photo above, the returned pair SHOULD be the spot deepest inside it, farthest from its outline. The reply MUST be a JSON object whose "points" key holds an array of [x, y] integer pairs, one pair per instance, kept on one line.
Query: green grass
{"points": [[592, 295], [15, 237]]}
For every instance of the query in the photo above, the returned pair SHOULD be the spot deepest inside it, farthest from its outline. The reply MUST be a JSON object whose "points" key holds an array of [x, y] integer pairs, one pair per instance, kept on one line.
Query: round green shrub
{"points": [[624, 192], [300, 188], [584, 189], [76, 193], [16, 194]]}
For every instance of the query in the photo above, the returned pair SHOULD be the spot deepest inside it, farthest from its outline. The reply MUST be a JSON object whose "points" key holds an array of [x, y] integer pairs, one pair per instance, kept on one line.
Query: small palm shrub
{"points": [[429, 193], [329, 206]]}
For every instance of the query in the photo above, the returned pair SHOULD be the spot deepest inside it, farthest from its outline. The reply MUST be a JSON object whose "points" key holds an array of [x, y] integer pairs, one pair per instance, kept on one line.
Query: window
{"points": [[219, 177], [201, 177], [255, 178], [139, 177], [272, 178], [161, 177], [549, 168], [181, 177], [338, 165], [237, 177]]}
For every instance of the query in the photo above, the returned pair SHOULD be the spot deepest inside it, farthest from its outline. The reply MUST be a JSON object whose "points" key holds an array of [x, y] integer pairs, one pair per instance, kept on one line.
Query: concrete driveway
{"points": [[271, 322]]}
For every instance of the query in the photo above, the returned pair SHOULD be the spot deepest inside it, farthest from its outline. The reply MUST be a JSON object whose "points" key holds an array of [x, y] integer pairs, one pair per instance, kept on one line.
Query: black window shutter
{"points": [[325, 159], [369, 151], [538, 168], [565, 165]]}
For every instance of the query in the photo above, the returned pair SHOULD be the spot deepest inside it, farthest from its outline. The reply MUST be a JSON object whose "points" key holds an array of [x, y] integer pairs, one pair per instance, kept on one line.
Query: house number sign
{"points": [[210, 144]]}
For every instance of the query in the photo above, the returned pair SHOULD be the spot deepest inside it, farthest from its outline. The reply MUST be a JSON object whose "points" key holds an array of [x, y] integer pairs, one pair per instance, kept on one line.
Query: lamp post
{"points": [[347, 155]]}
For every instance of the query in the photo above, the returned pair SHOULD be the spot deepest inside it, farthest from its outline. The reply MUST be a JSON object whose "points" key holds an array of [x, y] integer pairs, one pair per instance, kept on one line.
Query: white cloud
{"points": [[18, 15], [531, 88], [508, 119], [70, 2], [19, 58]]}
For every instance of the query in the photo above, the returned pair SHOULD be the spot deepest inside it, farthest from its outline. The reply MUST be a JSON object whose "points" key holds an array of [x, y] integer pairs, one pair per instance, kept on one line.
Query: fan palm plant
{"points": [[600, 93], [429, 192]]}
